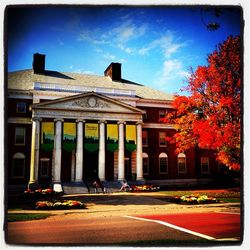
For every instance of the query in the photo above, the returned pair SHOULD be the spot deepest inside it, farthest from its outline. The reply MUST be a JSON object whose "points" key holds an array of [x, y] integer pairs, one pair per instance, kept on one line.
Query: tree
{"points": [[210, 116]]}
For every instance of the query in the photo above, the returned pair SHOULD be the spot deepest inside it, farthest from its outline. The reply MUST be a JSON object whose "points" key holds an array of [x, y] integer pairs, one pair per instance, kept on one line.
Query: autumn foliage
{"points": [[210, 116]]}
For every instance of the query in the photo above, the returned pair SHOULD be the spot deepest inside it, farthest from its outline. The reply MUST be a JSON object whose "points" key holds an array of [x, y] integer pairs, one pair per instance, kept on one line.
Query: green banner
{"points": [[112, 137], [130, 138], [47, 136], [91, 137], [69, 136]]}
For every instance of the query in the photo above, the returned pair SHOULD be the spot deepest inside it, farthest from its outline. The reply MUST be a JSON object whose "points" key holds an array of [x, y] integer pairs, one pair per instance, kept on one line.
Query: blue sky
{"points": [[156, 45]]}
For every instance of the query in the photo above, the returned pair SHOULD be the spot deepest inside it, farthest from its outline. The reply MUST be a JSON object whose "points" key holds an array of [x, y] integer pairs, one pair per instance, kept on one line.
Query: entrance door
{"points": [[90, 168], [128, 174]]}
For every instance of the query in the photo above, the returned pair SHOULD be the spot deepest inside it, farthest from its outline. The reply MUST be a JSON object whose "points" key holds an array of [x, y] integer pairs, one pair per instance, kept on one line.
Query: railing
{"points": [[82, 89]]}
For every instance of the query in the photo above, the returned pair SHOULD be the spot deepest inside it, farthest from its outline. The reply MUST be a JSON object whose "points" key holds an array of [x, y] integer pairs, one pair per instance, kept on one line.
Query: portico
{"points": [[84, 110]]}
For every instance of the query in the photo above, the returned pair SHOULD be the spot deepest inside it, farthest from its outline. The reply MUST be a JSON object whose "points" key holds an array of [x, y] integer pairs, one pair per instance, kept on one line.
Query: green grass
{"points": [[231, 200], [211, 193], [27, 216]]}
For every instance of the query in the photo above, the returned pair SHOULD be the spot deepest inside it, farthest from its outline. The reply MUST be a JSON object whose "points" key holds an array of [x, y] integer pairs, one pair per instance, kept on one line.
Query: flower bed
{"points": [[144, 188], [64, 204], [193, 199], [39, 192]]}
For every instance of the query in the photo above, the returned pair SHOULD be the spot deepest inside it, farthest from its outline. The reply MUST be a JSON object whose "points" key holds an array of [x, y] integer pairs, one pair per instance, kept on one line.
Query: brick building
{"points": [[68, 127]]}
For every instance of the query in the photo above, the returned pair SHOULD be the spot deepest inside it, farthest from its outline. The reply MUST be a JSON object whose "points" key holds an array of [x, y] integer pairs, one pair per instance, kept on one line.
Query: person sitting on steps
{"points": [[125, 186], [98, 184]]}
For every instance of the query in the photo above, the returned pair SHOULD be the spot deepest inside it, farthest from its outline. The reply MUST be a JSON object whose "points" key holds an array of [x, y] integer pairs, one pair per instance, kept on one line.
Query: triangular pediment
{"points": [[88, 102]]}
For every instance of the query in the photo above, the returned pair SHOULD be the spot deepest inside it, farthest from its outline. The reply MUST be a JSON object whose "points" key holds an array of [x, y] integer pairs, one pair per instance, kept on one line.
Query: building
{"points": [[70, 128]]}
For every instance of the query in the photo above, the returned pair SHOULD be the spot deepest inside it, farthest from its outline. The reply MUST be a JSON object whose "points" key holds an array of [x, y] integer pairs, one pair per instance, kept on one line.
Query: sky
{"points": [[157, 46]]}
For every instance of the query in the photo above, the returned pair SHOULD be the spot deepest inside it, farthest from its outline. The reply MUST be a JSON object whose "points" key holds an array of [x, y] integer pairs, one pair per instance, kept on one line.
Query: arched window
{"points": [[145, 163], [18, 165], [181, 161], [163, 163]]}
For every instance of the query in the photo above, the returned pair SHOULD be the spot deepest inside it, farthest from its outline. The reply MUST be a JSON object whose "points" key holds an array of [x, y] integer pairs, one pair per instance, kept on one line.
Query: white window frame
{"points": [[202, 163], [145, 158], [165, 135], [25, 107], [163, 156], [145, 145], [182, 156], [162, 113], [24, 136], [18, 156], [42, 160]]}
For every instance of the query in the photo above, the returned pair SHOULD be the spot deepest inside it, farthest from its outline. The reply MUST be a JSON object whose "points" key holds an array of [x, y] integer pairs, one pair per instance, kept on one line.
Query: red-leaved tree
{"points": [[210, 116]]}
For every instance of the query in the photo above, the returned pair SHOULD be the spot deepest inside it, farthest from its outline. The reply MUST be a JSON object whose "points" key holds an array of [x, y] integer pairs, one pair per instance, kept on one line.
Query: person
{"points": [[124, 186], [98, 184]]}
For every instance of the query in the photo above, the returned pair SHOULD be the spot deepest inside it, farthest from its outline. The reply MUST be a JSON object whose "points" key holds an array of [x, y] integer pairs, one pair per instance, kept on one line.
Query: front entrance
{"points": [[128, 172], [90, 165]]}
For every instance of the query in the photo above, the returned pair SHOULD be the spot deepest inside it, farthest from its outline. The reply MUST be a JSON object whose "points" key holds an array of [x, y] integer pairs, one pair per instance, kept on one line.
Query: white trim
{"points": [[19, 120], [157, 125], [19, 94], [154, 104]]}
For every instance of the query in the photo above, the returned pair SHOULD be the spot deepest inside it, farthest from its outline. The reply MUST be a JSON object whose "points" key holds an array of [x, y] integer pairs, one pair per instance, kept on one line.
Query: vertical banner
{"points": [[91, 137], [47, 136], [112, 137], [69, 136], [131, 137]]}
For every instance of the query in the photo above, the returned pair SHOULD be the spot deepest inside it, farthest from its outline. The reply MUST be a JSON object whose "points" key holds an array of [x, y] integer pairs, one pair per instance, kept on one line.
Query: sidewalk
{"points": [[133, 203]]}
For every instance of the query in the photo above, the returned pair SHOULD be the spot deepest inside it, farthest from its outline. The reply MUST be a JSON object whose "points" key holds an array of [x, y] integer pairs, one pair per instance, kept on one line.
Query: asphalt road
{"points": [[87, 231]]}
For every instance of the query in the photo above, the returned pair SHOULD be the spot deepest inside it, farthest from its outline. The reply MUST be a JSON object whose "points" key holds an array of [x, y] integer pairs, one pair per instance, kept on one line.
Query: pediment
{"points": [[88, 102]]}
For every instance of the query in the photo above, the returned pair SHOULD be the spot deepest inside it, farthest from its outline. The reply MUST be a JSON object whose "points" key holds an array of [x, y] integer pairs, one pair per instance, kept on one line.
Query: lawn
{"points": [[27, 216], [225, 195]]}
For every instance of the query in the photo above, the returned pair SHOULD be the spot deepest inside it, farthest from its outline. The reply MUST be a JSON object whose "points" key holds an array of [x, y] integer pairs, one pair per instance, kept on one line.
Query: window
{"points": [[163, 163], [205, 165], [18, 165], [44, 167], [20, 136], [21, 107], [145, 163], [181, 161], [162, 114], [145, 115], [144, 138], [162, 139]]}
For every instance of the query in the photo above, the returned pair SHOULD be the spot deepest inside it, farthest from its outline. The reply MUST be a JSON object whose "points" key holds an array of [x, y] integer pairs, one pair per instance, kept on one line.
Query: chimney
{"points": [[38, 63], [114, 71]]}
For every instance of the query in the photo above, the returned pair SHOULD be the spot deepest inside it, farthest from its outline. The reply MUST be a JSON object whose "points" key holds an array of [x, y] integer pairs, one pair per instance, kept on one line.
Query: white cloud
{"points": [[166, 43], [61, 43], [171, 75], [109, 56], [128, 30]]}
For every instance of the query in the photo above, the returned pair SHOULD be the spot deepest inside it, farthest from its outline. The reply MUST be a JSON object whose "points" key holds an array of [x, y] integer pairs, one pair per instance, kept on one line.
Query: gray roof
{"points": [[24, 79]]}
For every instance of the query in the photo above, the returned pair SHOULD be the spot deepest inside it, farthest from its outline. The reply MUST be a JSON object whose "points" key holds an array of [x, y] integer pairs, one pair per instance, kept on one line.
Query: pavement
{"points": [[118, 218]]}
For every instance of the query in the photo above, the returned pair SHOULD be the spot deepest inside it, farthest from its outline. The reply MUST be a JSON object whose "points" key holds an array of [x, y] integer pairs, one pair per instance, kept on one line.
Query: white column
{"points": [[139, 167], [35, 142], [121, 169], [101, 158], [79, 151], [58, 151]]}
